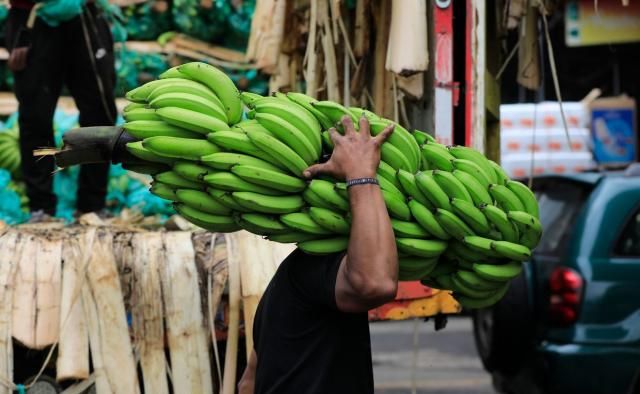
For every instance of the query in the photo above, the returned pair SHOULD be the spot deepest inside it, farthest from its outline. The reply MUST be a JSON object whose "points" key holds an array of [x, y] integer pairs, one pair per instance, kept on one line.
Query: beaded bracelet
{"points": [[362, 181]]}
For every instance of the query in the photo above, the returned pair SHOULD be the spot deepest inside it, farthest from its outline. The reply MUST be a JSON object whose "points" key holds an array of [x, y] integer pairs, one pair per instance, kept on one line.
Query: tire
{"points": [[503, 334]]}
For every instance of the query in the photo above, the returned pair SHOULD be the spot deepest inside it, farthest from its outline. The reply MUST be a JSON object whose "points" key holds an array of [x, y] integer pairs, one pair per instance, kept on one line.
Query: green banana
{"points": [[139, 151], [191, 102], [506, 199], [226, 160], [526, 197], [326, 191], [173, 72], [422, 138], [180, 148], [427, 220], [483, 245], [502, 272], [324, 246], [330, 220], [421, 247], [471, 215], [360, 112], [191, 171], [201, 201], [132, 106], [437, 156], [292, 237], [140, 94], [443, 268], [413, 263], [501, 175], [389, 186], [219, 83], [408, 229], [452, 224], [444, 282], [261, 224], [268, 204], [274, 179], [291, 135], [412, 274], [465, 265], [141, 114], [290, 115], [176, 181], [475, 281], [408, 184], [306, 102], [191, 120], [388, 173], [459, 251], [231, 182], [479, 194], [327, 143], [334, 112], [142, 129], [472, 169], [314, 200], [249, 98], [182, 85], [279, 151], [432, 190], [461, 287], [463, 152], [251, 124], [511, 250], [393, 156], [302, 221], [501, 221], [401, 139], [239, 142], [485, 302], [163, 191], [530, 228], [224, 197], [343, 191], [451, 185], [396, 206], [215, 223]]}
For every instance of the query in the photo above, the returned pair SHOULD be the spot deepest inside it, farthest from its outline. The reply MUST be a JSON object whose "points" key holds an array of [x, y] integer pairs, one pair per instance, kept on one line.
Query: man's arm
{"points": [[248, 380], [368, 275]]}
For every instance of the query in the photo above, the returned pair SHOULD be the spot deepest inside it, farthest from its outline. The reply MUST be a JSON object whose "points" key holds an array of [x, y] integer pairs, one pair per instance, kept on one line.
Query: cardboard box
{"points": [[614, 130]]}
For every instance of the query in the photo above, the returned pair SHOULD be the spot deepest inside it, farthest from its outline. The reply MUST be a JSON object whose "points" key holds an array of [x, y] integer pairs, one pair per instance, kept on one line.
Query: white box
{"points": [[519, 165], [517, 116], [548, 115], [556, 140], [522, 141]]}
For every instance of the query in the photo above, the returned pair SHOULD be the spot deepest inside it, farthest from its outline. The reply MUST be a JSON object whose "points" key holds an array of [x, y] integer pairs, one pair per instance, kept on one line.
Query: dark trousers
{"points": [[60, 56]]}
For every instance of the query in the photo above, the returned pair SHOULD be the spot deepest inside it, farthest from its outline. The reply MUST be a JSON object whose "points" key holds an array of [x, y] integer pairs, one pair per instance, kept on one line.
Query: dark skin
{"points": [[368, 274]]}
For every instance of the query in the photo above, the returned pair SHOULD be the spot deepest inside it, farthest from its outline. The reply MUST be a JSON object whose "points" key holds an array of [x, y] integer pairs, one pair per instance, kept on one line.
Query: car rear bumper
{"points": [[603, 369]]}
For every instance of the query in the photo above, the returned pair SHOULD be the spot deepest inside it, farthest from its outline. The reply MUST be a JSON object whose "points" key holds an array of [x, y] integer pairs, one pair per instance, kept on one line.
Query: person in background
{"points": [[56, 44], [311, 329]]}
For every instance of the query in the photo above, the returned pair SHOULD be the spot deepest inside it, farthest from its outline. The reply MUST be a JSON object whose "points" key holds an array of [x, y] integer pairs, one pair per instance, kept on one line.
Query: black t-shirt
{"points": [[303, 342]]}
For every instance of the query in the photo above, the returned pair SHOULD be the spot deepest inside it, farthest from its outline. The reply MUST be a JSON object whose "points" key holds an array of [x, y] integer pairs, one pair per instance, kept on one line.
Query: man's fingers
{"points": [[316, 169], [364, 126], [347, 122], [334, 135], [385, 134]]}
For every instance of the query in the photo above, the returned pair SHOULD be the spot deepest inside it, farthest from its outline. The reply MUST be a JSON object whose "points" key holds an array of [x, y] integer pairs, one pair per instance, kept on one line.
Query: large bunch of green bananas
{"points": [[10, 151], [460, 223]]}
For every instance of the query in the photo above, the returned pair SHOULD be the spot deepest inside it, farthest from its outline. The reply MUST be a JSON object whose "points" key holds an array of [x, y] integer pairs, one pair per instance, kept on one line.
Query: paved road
{"points": [[446, 361]]}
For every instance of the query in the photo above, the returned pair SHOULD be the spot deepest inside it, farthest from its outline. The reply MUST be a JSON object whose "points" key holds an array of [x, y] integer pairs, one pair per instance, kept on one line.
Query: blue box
{"points": [[613, 130]]}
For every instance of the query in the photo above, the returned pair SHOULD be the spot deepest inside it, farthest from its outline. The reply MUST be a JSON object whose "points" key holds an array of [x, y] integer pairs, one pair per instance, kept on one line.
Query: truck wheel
{"points": [[503, 333]]}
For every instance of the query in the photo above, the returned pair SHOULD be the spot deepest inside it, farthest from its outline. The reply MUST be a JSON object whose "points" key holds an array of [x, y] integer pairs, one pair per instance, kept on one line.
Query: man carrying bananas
{"points": [[56, 43], [311, 329]]}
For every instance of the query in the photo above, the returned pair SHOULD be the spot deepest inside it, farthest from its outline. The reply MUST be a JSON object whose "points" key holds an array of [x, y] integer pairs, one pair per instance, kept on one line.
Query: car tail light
{"points": [[565, 287]]}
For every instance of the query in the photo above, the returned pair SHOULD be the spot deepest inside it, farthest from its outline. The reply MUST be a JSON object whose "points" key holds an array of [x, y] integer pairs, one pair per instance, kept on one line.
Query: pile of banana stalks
{"points": [[107, 300]]}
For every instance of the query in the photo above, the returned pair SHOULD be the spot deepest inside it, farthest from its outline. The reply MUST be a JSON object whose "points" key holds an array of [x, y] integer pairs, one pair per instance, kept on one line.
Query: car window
{"points": [[629, 242], [560, 202]]}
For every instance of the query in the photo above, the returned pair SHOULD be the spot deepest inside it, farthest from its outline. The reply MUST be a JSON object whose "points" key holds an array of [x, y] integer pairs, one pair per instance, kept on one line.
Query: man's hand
{"points": [[18, 59], [355, 154]]}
